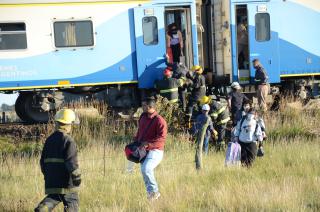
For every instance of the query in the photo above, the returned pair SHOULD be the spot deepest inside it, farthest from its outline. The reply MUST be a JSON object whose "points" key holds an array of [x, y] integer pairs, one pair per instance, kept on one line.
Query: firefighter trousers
{"points": [[70, 202]]}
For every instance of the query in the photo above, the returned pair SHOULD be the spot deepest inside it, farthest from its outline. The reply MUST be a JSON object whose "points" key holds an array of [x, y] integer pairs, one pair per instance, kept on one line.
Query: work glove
{"points": [[76, 177]]}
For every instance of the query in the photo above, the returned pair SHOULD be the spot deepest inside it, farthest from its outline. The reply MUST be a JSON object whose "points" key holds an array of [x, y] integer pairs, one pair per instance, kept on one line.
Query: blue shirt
{"points": [[200, 122]]}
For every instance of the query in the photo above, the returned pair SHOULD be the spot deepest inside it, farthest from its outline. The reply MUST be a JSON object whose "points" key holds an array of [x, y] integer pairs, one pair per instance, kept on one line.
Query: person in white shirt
{"points": [[247, 133]]}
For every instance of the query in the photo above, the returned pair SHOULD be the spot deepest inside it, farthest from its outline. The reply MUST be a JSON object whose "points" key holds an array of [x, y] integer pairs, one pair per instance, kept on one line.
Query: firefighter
{"points": [[168, 86], [198, 85], [180, 72], [220, 116], [59, 165]]}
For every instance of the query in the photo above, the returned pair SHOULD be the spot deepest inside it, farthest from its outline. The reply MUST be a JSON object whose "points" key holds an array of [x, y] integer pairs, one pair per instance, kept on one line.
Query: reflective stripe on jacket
{"points": [[168, 88], [199, 87], [219, 113]]}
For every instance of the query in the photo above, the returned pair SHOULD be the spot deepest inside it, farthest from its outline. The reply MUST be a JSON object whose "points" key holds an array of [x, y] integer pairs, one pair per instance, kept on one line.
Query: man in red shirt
{"points": [[152, 134]]}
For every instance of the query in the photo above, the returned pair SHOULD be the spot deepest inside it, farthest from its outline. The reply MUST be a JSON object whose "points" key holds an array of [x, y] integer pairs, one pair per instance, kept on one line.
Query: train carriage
{"points": [[51, 48], [282, 34]]}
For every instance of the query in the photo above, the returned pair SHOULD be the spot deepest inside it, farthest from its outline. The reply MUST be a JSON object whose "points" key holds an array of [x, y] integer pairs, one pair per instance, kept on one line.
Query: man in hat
{"points": [[261, 79]]}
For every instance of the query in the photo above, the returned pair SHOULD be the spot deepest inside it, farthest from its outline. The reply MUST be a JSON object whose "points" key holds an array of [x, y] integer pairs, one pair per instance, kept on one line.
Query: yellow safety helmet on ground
{"points": [[204, 100], [66, 116], [197, 69]]}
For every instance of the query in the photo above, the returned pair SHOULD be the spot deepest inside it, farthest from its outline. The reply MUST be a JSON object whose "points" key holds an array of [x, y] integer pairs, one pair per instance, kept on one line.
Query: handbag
{"points": [[182, 59], [136, 152]]}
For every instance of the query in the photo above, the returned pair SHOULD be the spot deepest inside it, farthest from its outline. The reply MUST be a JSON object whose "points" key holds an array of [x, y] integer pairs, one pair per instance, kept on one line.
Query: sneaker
{"points": [[154, 196]]}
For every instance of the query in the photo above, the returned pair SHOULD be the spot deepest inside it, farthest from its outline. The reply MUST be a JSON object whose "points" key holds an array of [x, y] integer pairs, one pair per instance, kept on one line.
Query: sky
{"points": [[8, 99]]}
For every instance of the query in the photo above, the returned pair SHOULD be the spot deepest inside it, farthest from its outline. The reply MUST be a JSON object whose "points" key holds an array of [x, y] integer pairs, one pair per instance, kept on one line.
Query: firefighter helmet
{"points": [[197, 69], [167, 72], [204, 100], [66, 116]]}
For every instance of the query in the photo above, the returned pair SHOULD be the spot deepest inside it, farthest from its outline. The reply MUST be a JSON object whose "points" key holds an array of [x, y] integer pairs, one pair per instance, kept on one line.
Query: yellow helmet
{"points": [[197, 69], [66, 116], [205, 100]]}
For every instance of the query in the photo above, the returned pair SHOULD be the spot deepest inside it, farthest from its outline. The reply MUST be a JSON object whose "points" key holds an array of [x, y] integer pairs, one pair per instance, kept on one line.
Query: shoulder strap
{"points": [[147, 128], [241, 122]]}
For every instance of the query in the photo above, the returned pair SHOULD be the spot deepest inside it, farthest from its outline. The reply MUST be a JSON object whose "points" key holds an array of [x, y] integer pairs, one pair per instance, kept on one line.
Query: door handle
{"points": [[270, 61]]}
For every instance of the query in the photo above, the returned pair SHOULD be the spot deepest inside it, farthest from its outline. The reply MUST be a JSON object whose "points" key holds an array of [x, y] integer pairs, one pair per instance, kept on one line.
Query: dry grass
{"points": [[286, 179]]}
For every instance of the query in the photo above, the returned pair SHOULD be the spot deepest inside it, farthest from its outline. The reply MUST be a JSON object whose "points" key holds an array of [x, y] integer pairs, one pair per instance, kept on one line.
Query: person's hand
{"points": [[144, 144], [236, 139]]}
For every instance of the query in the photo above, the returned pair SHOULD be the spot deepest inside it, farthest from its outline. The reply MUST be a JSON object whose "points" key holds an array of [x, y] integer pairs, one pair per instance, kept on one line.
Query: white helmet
{"points": [[206, 107], [235, 85]]}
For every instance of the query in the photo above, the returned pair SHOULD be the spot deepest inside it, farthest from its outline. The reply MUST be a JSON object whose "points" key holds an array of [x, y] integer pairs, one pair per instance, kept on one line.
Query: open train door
{"points": [[150, 44], [263, 41]]}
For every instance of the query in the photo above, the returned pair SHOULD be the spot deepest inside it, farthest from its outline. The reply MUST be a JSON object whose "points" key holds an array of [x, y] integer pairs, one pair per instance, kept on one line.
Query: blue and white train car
{"points": [[49, 46], [282, 34]]}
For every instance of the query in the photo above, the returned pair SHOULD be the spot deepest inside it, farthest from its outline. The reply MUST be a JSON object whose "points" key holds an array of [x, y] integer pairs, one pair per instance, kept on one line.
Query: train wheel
{"points": [[19, 107], [27, 111], [34, 114]]}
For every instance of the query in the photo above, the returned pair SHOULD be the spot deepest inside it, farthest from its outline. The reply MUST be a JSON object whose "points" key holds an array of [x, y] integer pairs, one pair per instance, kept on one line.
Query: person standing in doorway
{"points": [[175, 42], [261, 79], [153, 132]]}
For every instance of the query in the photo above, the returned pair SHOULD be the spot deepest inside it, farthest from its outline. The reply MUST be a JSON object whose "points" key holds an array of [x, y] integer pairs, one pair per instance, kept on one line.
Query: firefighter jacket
{"points": [[219, 113], [59, 164], [198, 87], [181, 74], [168, 88]]}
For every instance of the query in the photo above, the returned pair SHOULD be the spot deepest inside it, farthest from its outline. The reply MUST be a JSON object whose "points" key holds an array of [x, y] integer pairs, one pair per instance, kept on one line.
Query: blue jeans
{"points": [[206, 144], [152, 160]]}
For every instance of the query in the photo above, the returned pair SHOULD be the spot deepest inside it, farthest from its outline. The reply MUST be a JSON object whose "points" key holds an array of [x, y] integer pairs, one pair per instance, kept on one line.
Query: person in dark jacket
{"points": [[235, 102], [59, 165], [198, 85], [261, 79], [180, 73], [152, 133], [168, 86]]}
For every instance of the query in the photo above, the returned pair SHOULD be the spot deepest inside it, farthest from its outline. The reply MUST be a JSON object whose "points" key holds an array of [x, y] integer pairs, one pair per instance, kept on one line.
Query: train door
{"points": [[181, 16], [242, 44], [263, 42], [150, 44]]}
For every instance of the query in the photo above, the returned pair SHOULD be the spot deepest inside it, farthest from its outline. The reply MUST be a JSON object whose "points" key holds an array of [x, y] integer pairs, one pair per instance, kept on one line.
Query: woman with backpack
{"points": [[247, 133]]}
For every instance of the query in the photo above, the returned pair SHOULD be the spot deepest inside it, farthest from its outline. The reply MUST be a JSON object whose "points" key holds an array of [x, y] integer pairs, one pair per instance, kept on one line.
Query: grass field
{"points": [[286, 179]]}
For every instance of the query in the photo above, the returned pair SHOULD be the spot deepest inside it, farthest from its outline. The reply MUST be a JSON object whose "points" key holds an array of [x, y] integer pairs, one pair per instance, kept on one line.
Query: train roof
{"points": [[63, 1], [79, 1]]}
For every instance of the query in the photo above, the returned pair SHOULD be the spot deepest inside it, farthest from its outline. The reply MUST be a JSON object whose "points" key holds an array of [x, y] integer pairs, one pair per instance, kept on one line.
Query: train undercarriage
{"points": [[40, 106]]}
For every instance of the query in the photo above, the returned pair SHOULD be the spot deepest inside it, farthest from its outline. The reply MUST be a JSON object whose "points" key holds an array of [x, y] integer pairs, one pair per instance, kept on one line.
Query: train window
{"points": [[73, 33], [150, 30], [262, 27], [13, 36]]}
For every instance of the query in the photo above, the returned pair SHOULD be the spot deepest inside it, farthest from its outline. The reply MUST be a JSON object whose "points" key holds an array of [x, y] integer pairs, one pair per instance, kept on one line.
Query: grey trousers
{"points": [[70, 202]]}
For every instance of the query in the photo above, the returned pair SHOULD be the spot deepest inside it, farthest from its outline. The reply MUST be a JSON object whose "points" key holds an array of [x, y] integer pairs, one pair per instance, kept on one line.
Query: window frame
{"points": [[269, 29], [93, 33], [15, 33], [153, 44]]}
